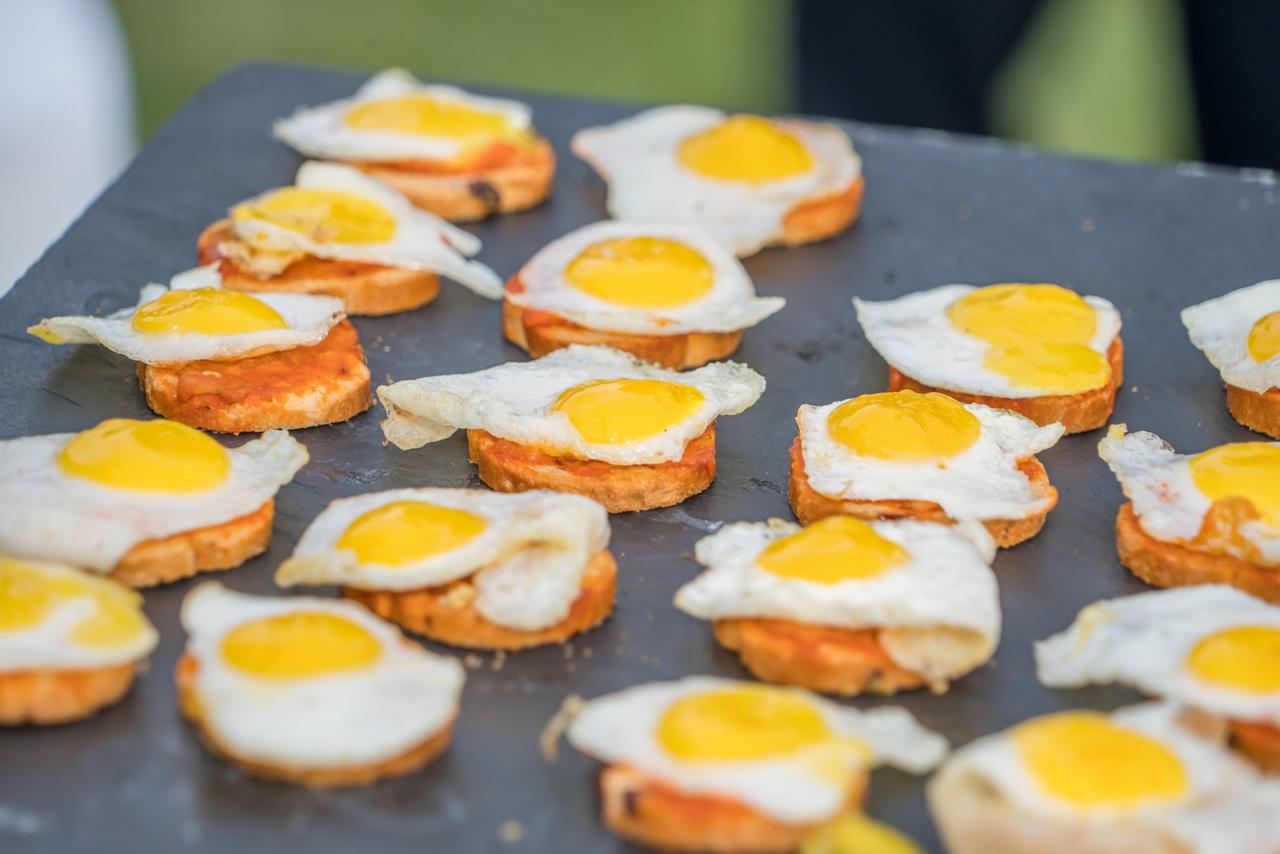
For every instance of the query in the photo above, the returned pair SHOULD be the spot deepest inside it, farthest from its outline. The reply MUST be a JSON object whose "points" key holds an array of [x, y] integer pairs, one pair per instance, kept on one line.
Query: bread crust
{"points": [[213, 547], [510, 467], [1080, 412], [1167, 564], [184, 676], [809, 505], [822, 217], [1258, 411], [46, 697], [447, 613], [291, 389], [653, 814], [365, 289], [1259, 741]]}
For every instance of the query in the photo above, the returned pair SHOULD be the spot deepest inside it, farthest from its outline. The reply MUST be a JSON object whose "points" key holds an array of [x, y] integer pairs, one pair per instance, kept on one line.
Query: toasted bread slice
{"points": [[1259, 741], [651, 813], [47, 697], [1086, 410], [447, 613], [213, 547], [823, 217], [1255, 410], [810, 506], [510, 467], [303, 387], [365, 289]]}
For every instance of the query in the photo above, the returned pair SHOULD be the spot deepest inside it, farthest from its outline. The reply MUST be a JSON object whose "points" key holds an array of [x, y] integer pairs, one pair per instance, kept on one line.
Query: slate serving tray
{"points": [[938, 209]]}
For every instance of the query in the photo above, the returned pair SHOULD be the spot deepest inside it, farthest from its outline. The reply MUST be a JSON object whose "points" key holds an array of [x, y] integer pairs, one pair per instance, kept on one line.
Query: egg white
{"points": [[1220, 329]]}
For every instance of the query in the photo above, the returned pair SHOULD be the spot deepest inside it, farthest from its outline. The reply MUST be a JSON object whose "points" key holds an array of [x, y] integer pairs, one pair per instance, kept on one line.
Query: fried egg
{"points": [[901, 445], [593, 403], [928, 587], [782, 751], [645, 278], [194, 319], [87, 498], [337, 212], [526, 552], [737, 176], [1225, 499], [1239, 333], [53, 617], [312, 683], [395, 117], [1009, 340], [1211, 647]]}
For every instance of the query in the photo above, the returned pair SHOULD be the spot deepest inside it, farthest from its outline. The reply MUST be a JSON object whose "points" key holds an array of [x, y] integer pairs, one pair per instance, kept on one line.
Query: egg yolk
{"points": [[298, 645], [1245, 658], [406, 531], [325, 216], [740, 724], [146, 456], [1039, 336], [857, 833], [832, 550], [427, 116], [745, 148], [904, 425], [29, 595], [1088, 761], [614, 412], [1264, 338], [641, 272], [206, 311], [1242, 469]]}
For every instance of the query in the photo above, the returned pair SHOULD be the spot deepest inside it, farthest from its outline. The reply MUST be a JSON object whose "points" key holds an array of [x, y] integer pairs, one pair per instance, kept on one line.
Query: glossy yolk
{"points": [[407, 531], [904, 425], [857, 833], [146, 456], [745, 148], [426, 116], [1264, 338], [614, 412], [641, 272], [29, 595], [1244, 658], [299, 644], [1088, 761], [1245, 470], [832, 550], [740, 724], [206, 311], [324, 216]]}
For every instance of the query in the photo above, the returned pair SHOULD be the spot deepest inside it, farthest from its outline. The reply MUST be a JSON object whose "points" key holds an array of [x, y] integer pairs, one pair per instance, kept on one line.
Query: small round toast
{"points": [[810, 506], [823, 217], [447, 613], [1255, 410], [182, 555], [365, 289], [507, 466], [47, 697], [1087, 410], [291, 389], [1258, 741], [656, 815]]}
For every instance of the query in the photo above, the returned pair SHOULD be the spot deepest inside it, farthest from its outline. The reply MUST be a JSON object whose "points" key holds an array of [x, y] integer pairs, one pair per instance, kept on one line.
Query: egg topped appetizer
{"points": [[228, 361], [146, 502], [668, 293], [1210, 518], [1209, 647], [466, 567], [340, 233], [706, 764], [1147, 778], [589, 420], [751, 181], [70, 643], [312, 691], [924, 456], [1240, 335], [850, 607], [1040, 350], [458, 155]]}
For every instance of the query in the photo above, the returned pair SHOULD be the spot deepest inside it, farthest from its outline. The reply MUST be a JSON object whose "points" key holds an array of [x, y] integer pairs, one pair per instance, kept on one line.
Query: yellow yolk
{"points": [[206, 311], [857, 833], [641, 272], [1088, 761], [427, 116], [1264, 338], [904, 425], [406, 531], [298, 645], [745, 148], [29, 595], [614, 412], [740, 724], [325, 216], [146, 456], [1245, 470], [1246, 658], [830, 551]]}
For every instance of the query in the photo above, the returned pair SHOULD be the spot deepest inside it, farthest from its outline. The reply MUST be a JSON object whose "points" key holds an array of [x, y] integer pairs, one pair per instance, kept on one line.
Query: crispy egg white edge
{"points": [[1220, 329]]}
